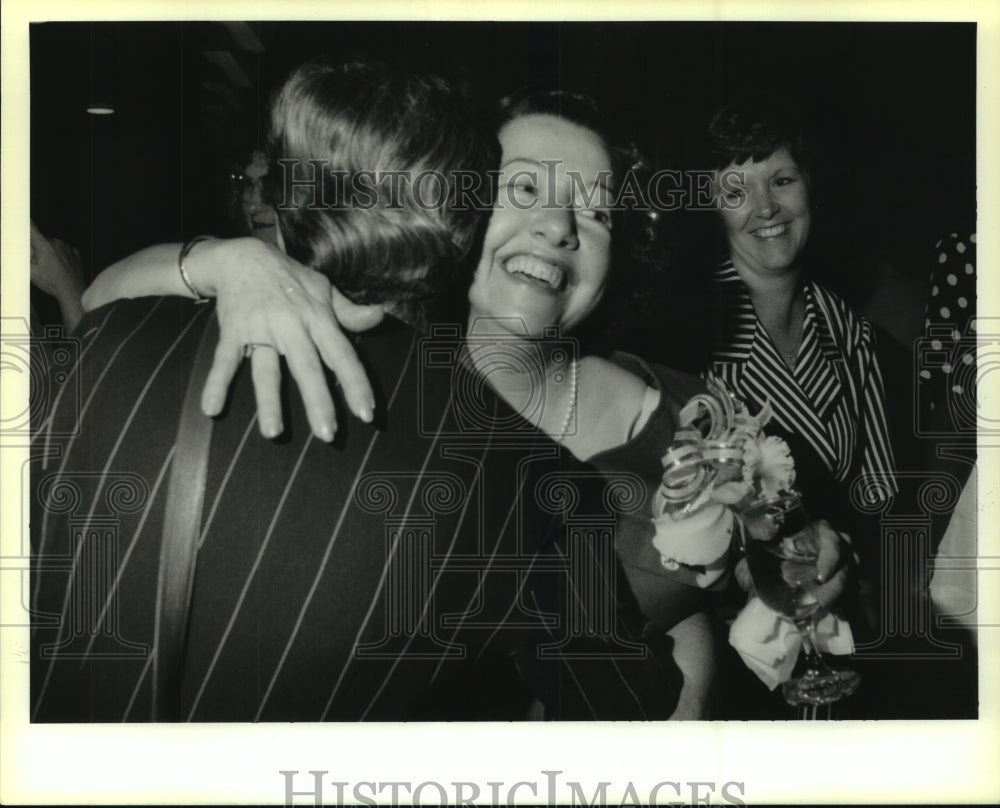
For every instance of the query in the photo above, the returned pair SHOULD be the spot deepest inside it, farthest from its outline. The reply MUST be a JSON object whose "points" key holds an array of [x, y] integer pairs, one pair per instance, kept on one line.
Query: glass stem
{"points": [[741, 536], [814, 661]]}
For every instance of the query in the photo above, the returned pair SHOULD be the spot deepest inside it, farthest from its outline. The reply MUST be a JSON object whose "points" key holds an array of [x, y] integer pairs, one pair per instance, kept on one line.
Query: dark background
{"points": [[890, 109]]}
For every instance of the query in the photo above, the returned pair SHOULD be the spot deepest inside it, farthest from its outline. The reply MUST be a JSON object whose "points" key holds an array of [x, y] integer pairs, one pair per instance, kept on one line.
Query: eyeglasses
{"points": [[242, 183]]}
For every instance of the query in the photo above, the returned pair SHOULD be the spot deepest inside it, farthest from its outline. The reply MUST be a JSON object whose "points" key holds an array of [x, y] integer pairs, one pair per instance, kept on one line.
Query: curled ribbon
{"points": [[707, 449], [717, 461]]}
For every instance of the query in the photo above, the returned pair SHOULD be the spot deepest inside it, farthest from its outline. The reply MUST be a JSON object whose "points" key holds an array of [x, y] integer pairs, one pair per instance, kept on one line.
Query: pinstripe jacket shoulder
{"points": [[446, 562]]}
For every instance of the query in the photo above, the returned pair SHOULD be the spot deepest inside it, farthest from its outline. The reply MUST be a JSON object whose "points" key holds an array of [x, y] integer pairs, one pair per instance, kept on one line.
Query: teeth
{"points": [[536, 268], [768, 232]]}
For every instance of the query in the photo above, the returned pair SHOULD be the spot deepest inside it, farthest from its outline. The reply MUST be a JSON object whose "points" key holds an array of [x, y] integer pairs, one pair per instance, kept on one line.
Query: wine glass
{"points": [[781, 548]]}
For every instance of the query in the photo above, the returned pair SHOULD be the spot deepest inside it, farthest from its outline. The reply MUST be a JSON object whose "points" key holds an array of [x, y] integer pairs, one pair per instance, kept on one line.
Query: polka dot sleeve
{"points": [[947, 371]]}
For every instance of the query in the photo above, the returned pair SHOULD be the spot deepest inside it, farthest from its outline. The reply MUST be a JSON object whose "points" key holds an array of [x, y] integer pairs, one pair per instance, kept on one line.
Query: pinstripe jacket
{"points": [[446, 562], [831, 408]]}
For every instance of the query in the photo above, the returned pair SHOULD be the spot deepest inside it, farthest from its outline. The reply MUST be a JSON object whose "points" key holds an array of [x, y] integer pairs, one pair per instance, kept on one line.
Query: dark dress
{"points": [[665, 596]]}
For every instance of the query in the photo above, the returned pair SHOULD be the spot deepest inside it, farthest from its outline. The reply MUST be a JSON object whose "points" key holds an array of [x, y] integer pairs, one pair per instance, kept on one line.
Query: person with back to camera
{"points": [[528, 285], [296, 575]]}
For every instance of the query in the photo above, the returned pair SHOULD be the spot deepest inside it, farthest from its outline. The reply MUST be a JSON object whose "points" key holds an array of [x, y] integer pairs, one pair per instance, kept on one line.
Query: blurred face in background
{"points": [[260, 218]]}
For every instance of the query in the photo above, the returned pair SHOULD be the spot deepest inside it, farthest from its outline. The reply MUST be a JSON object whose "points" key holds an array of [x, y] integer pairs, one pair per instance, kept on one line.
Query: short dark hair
{"points": [[638, 261], [361, 118], [634, 230], [754, 130]]}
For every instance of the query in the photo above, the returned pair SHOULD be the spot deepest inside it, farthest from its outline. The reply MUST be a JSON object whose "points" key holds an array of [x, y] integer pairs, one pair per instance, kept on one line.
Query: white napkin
{"points": [[769, 644]]}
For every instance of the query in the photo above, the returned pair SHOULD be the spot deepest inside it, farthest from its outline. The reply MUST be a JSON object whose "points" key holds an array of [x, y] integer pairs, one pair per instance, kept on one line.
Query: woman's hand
{"points": [[834, 558], [57, 270], [270, 301]]}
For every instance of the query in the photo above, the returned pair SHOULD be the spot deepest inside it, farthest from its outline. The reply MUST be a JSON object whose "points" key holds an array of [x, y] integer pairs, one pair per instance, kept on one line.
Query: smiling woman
{"points": [[782, 338], [766, 216], [785, 341], [548, 258], [546, 255], [553, 247]]}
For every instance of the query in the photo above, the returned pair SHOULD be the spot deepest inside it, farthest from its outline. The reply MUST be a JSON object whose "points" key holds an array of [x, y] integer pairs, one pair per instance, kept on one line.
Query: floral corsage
{"points": [[718, 463]]}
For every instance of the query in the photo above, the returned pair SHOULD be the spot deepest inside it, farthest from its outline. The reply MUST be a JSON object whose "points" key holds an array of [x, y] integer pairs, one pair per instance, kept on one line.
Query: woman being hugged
{"points": [[554, 247]]}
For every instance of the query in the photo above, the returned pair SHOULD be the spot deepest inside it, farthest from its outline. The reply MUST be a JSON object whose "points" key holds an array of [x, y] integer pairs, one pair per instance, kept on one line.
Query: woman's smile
{"points": [[547, 250], [549, 275], [768, 225], [771, 232]]}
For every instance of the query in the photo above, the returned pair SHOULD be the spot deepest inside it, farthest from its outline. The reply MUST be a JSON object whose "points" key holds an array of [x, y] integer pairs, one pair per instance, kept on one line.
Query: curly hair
{"points": [[350, 143]]}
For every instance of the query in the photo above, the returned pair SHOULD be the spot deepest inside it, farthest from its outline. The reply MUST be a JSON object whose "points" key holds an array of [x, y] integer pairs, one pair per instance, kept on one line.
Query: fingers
{"points": [[266, 374], [265, 363], [339, 355], [827, 551], [306, 370], [224, 364], [828, 593], [832, 568], [355, 316], [742, 574], [275, 301], [36, 234]]}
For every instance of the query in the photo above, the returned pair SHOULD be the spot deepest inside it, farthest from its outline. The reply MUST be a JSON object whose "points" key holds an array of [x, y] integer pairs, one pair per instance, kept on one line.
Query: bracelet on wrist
{"points": [[185, 251]]}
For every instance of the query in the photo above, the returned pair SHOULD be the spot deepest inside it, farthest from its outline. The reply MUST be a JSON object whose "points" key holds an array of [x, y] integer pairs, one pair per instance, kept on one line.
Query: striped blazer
{"points": [[834, 399], [447, 562]]}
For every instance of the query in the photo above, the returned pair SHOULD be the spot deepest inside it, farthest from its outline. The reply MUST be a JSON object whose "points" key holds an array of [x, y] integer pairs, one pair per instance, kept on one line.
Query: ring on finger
{"points": [[250, 347]]}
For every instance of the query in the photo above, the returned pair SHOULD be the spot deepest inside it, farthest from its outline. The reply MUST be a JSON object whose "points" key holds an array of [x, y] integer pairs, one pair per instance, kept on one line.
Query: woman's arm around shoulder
{"points": [[265, 299]]}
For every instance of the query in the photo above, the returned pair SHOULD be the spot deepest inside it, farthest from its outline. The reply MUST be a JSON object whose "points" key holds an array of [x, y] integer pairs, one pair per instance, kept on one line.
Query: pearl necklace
{"points": [[574, 392]]}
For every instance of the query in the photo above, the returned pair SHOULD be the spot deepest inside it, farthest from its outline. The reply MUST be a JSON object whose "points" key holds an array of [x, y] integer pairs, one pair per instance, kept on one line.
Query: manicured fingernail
{"points": [[326, 432], [272, 429], [366, 414]]}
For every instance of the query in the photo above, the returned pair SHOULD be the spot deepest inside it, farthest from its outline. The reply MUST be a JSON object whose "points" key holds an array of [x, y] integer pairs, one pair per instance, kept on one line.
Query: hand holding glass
{"points": [[782, 552]]}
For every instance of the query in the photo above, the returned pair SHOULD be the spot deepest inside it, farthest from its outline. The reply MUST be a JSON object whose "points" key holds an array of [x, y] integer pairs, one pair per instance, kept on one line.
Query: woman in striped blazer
{"points": [[782, 338]]}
